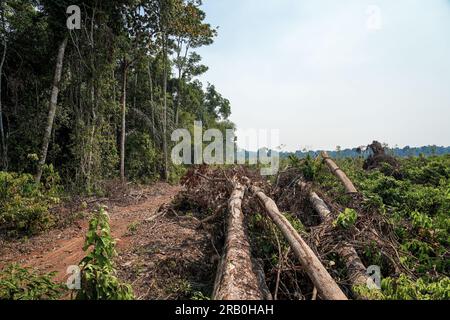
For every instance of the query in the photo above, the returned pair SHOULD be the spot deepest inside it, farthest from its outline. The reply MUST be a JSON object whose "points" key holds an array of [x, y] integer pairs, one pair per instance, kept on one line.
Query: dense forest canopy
{"points": [[128, 77]]}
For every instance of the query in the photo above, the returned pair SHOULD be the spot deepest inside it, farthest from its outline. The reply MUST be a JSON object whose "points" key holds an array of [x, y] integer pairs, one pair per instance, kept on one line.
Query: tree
{"points": [[52, 107], [73, 86], [2, 62], [190, 32]]}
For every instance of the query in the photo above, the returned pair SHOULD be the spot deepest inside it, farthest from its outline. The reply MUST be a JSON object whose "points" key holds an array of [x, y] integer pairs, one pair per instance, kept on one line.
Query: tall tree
{"points": [[96, 124], [123, 103], [52, 107], [190, 32], [2, 62]]}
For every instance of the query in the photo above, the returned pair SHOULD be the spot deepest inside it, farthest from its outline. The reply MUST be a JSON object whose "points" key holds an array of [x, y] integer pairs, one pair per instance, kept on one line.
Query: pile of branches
{"points": [[206, 196], [371, 229], [208, 189]]}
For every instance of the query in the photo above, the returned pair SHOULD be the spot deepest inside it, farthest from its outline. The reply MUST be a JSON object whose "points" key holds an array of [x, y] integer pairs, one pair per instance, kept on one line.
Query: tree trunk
{"points": [[94, 100], [152, 103], [2, 130], [349, 187], [318, 204], [52, 108], [237, 277], [124, 111], [166, 160], [356, 269], [326, 286]]}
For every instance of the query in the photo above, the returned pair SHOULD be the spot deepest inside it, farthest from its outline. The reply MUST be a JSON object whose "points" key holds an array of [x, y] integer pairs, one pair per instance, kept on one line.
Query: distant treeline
{"points": [[356, 152]]}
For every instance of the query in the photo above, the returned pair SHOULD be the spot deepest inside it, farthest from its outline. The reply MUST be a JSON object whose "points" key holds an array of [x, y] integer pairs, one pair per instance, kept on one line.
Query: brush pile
{"points": [[339, 239]]}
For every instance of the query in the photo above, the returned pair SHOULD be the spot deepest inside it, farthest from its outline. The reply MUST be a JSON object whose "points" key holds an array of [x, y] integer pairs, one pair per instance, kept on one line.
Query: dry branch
{"points": [[349, 187], [238, 277], [326, 286]]}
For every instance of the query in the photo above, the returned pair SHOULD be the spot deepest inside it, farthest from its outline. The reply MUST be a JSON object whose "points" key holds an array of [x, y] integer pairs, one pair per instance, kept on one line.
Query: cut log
{"points": [[238, 277], [326, 286], [356, 269], [348, 185], [318, 204]]}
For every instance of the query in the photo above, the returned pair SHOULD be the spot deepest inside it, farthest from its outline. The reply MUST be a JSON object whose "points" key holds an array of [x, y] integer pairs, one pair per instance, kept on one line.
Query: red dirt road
{"points": [[56, 250]]}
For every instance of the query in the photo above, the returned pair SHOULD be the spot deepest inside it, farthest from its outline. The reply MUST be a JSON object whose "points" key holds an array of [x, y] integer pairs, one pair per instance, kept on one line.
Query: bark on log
{"points": [[348, 185], [356, 269], [326, 286], [318, 204], [238, 277]]}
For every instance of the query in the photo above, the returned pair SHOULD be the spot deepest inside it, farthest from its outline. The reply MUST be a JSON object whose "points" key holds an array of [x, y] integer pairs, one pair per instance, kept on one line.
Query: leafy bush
{"points": [[176, 173], [417, 204], [98, 280], [427, 171], [421, 221], [346, 219], [309, 169], [17, 283], [24, 205], [403, 288], [307, 166]]}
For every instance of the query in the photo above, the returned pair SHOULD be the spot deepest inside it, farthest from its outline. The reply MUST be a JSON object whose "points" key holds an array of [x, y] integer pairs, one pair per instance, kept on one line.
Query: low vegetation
{"points": [[17, 283], [25, 204], [416, 203], [98, 276]]}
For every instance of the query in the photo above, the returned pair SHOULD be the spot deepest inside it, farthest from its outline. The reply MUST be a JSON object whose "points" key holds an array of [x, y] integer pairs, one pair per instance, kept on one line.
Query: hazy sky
{"points": [[330, 73]]}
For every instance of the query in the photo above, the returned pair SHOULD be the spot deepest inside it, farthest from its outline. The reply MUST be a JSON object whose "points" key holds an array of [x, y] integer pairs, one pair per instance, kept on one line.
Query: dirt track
{"points": [[58, 249]]}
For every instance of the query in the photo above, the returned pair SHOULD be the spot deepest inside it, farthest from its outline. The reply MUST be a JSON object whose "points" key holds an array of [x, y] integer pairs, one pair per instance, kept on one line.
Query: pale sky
{"points": [[328, 73]]}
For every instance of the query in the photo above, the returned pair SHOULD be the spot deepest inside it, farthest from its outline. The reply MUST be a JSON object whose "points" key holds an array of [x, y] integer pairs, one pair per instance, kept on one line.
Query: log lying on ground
{"points": [[326, 286], [318, 204], [238, 276], [348, 185], [356, 269]]}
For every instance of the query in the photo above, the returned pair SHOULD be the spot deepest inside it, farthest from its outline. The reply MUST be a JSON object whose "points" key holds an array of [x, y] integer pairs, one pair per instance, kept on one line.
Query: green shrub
{"points": [[403, 288], [346, 219], [421, 221], [24, 205], [176, 173], [17, 283], [98, 279], [308, 166]]}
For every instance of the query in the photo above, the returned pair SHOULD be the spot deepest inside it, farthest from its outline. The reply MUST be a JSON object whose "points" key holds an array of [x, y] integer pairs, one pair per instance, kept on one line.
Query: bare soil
{"points": [[163, 257]]}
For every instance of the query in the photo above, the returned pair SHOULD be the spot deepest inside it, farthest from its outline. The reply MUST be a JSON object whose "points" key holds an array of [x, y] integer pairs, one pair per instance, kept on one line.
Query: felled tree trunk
{"points": [[326, 286], [356, 269], [348, 185], [238, 277], [319, 205]]}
